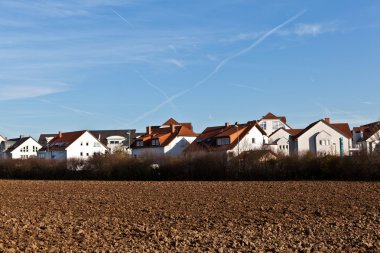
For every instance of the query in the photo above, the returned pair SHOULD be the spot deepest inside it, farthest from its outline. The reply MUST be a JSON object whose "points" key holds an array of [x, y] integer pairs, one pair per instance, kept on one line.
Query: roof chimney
{"points": [[59, 134], [227, 124], [172, 128], [149, 130], [327, 120], [236, 123], [99, 137]]}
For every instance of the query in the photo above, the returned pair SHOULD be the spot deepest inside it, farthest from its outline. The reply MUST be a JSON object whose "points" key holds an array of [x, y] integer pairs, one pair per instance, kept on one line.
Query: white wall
{"points": [[307, 142], [174, 148], [270, 124], [19, 153], [177, 146], [246, 142], [80, 145]]}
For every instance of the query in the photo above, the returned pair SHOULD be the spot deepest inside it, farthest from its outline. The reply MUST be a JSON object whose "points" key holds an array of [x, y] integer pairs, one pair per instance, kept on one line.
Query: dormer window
{"points": [[223, 141], [139, 143], [155, 142], [276, 125], [263, 125]]}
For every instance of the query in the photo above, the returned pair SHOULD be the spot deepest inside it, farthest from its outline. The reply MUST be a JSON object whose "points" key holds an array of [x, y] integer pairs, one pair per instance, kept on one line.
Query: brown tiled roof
{"points": [[164, 134], [370, 129], [270, 115], [171, 121], [61, 143], [290, 131], [206, 141], [342, 128]]}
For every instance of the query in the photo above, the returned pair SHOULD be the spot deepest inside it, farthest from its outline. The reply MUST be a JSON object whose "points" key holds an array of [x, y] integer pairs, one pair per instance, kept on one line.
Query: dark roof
{"points": [[42, 139], [18, 142], [342, 128], [370, 129], [207, 139]]}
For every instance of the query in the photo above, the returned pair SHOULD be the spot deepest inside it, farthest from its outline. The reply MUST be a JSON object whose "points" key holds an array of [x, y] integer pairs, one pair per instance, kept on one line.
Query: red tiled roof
{"points": [[342, 128], [164, 134], [207, 139], [270, 115], [293, 131], [63, 140], [171, 121], [290, 131]]}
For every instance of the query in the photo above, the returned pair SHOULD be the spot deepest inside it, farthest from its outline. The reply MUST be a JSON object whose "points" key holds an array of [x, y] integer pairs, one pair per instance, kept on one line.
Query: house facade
{"points": [[322, 138], [79, 145], [230, 139], [279, 140], [367, 137], [116, 140], [19, 148], [171, 138], [270, 123]]}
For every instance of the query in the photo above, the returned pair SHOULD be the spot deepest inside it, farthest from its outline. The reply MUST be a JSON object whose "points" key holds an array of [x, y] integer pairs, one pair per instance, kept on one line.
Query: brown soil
{"points": [[189, 216]]}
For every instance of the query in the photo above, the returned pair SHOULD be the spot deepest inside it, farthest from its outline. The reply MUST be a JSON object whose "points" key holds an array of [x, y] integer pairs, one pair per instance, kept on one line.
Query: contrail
{"points": [[162, 92], [219, 66], [120, 16]]}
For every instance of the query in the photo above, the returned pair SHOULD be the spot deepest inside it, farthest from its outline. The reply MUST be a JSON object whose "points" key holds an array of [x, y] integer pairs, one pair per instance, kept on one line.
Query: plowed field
{"points": [[189, 216]]}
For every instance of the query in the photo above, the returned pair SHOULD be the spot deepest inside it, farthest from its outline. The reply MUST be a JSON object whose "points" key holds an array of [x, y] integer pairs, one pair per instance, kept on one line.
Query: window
{"points": [[155, 142], [81, 153], [139, 143], [253, 140], [222, 141], [96, 144], [320, 142], [81, 143], [276, 125], [263, 125], [86, 143], [87, 154]]}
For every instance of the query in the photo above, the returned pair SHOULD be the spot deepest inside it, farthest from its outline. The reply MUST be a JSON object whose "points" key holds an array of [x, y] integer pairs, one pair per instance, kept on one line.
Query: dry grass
{"points": [[189, 216]]}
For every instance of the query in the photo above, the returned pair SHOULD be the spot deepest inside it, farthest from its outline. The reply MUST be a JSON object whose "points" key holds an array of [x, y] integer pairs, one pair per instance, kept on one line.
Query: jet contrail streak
{"points": [[120, 16], [219, 66]]}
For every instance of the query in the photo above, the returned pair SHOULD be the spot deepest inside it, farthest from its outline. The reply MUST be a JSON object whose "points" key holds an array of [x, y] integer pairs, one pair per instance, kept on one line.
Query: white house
{"points": [[322, 138], [367, 137], [171, 138], [270, 123], [116, 140], [231, 139], [19, 148], [80, 144], [279, 140]]}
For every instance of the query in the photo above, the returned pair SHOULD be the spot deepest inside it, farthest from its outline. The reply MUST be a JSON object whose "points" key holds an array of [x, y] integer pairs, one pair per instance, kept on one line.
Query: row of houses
{"points": [[271, 133]]}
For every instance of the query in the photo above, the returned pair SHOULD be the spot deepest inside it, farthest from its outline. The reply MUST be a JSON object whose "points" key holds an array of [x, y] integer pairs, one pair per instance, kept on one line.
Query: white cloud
{"points": [[12, 92], [176, 62], [302, 29]]}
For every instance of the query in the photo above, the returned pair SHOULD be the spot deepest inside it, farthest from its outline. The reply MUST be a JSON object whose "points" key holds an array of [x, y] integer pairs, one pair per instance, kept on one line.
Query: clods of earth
{"points": [[78, 216]]}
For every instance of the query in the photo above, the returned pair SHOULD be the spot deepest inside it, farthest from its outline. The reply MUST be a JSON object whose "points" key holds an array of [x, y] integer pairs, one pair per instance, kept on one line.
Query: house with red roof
{"points": [[367, 137], [79, 145], [230, 139], [270, 123], [279, 140], [170, 138], [322, 138]]}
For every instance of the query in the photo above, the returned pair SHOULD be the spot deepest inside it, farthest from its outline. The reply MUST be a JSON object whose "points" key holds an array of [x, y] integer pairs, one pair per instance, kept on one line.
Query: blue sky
{"points": [[97, 64]]}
